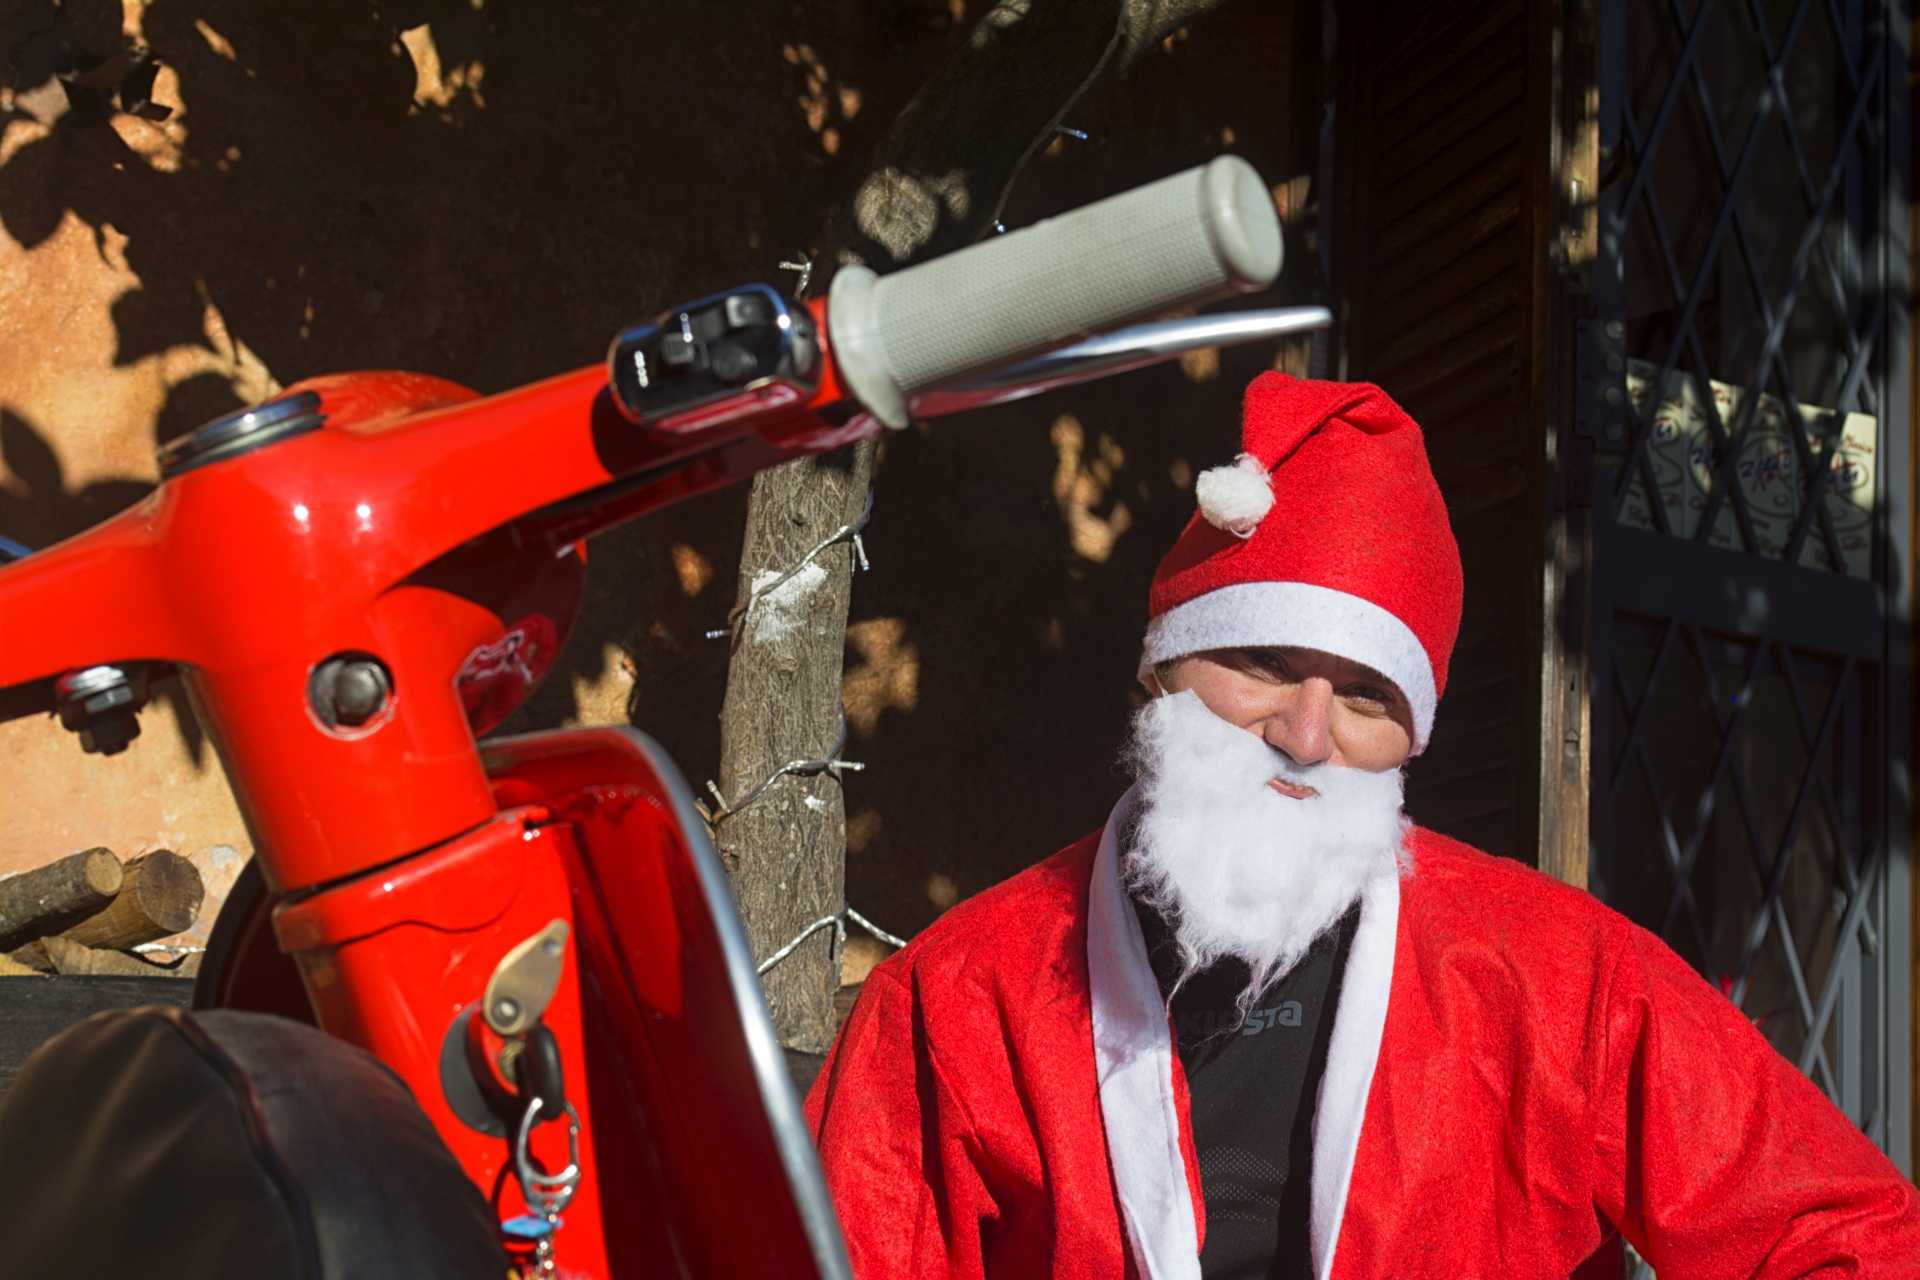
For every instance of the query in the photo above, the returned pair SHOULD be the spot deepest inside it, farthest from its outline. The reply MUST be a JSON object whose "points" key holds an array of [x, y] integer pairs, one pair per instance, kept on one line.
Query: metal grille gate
{"points": [[1744, 388]]}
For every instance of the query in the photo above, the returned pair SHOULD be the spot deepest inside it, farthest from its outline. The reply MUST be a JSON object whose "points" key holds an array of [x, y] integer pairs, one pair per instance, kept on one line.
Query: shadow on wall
{"points": [[37, 500], [464, 189]]}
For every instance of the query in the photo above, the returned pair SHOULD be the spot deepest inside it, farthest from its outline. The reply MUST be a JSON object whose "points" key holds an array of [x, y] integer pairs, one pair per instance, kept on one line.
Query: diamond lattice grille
{"points": [[1749, 135], [1735, 766], [1742, 824], [1741, 775]]}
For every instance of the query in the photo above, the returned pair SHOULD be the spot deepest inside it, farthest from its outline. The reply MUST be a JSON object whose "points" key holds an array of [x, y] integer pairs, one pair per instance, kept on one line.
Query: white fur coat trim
{"points": [[1133, 1059]]}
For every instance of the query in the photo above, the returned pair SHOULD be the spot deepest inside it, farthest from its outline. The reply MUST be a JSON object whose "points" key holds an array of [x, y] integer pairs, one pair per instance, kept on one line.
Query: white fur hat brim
{"points": [[1260, 615]]}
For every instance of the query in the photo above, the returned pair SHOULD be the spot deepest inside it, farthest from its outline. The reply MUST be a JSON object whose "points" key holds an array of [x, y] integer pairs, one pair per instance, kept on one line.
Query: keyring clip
{"points": [[553, 1190]]}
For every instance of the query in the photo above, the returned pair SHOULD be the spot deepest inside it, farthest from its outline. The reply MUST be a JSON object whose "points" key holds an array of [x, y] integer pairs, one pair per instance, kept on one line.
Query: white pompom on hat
{"points": [[1236, 498]]}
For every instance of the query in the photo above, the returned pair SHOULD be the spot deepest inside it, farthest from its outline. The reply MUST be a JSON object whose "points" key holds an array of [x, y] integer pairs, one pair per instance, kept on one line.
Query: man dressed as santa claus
{"points": [[1260, 1025]]}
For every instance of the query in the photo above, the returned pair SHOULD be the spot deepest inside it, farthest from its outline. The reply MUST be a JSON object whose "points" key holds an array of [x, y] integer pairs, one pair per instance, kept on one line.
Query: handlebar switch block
{"points": [[693, 365]]}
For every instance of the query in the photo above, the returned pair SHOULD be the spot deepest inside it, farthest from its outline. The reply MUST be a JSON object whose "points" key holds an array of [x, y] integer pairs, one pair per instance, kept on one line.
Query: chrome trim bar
{"points": [[1125, 349]]}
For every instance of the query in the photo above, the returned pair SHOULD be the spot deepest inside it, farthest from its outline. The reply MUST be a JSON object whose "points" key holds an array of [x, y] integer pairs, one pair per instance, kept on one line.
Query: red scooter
{"points": [[358, 579]]}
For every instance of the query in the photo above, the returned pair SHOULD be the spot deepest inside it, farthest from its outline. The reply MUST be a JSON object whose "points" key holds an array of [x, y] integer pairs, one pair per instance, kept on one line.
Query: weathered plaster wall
{"points": [[486, 190]]}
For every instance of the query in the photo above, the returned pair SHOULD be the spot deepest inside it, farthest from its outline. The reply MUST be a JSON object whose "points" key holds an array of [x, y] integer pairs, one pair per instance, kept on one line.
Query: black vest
{"points": [[1251, 1083]]}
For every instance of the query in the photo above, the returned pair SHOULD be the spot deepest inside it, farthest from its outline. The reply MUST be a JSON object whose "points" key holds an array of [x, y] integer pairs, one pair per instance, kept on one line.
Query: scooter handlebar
{"points": [[1190, 238]]}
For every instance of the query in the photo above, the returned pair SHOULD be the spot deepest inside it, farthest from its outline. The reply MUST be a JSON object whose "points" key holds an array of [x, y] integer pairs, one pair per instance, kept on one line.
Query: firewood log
{"points": [[160, 897], [72, 959], [11, 968], [32, 956], [49, 898]]}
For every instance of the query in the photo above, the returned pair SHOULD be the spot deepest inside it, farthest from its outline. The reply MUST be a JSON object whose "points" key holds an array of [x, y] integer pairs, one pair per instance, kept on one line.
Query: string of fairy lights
{"points": [[832, 762]]}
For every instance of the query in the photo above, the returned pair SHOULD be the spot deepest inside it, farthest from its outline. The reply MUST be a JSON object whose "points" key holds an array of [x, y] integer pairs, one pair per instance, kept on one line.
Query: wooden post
{"points": [[1571, 206], [41, 900], [160, 897]]}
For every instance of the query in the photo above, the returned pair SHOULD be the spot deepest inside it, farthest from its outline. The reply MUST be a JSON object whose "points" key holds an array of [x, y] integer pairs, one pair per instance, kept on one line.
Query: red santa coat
{"points": [[1511, 1063]]}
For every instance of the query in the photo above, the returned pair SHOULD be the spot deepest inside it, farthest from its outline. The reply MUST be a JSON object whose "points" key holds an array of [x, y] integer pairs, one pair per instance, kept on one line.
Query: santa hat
{"points": [[1327, 533]]}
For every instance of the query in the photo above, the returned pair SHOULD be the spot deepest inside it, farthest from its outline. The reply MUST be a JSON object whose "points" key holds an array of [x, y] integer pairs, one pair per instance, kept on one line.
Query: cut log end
{"points": [[160, 896], [101, 871]]}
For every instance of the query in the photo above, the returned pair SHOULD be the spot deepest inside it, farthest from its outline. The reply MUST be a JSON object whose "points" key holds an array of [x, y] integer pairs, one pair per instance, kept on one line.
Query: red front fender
{"points": [[690, 1117]]}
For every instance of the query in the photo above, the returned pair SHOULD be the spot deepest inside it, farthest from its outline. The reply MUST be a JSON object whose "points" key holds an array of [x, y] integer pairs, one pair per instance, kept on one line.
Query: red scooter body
{"points": [[442, 532]]}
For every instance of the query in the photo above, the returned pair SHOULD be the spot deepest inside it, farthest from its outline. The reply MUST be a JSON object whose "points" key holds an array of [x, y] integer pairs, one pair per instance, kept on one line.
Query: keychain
{"points": [[547, 1194]]}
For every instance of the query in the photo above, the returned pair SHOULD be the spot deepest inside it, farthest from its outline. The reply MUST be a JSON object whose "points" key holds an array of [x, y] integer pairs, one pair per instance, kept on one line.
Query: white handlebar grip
{"points": [[1190, 238]]}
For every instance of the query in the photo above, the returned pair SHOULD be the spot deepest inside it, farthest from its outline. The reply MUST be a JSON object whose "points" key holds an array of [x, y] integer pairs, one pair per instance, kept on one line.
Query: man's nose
{"points": [[1302, 726]]}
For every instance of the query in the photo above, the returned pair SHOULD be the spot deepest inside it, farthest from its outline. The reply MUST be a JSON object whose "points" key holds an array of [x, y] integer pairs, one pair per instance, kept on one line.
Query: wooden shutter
{"points": [[1442, 115]]}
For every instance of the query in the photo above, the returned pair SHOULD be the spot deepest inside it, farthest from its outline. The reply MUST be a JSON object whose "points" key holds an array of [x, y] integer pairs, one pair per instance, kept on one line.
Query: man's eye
{"points": [[1271, 665], [1367, 693]]}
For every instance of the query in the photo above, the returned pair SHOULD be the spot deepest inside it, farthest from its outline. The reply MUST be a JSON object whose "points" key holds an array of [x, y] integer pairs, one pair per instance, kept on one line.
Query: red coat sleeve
{"points": [[1715, 1157], [897, 1145]]}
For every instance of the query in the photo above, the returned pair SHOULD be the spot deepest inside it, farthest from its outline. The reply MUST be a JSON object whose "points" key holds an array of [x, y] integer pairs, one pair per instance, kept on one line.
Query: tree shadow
{"points": [[36, 496], [37, 504], [441, 186], [193, 401]]}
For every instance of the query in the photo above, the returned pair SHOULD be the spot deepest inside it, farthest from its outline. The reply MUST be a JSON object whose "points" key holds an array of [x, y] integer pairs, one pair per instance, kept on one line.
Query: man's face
{"points": [[1315, 707], [1256, 823]]}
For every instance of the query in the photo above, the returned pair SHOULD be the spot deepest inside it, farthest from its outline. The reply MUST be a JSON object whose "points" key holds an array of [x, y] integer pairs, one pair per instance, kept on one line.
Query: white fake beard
{"points": [[1235, 867]]}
